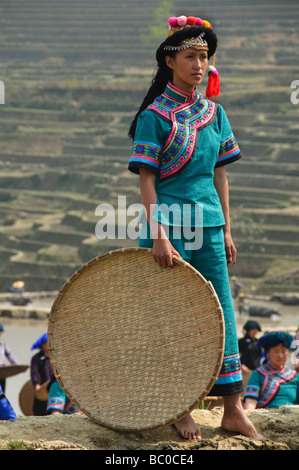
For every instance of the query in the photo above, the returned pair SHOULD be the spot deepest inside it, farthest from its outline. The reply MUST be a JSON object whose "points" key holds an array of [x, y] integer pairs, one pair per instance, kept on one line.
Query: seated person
{"points": [[274, 383], [58, 402]]}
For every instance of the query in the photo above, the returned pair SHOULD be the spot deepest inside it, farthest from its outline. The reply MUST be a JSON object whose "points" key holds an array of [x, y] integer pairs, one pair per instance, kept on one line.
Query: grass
{"points": [[15, 445]]}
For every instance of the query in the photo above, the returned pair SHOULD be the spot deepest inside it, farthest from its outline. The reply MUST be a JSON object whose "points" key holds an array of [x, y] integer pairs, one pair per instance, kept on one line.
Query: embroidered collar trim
{"points": [[273, 377], [188, 114], [181, 96]]}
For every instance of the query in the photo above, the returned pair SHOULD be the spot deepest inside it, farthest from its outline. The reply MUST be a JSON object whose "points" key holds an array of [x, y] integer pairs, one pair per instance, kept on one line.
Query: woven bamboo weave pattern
{"points": [[136, 346]]}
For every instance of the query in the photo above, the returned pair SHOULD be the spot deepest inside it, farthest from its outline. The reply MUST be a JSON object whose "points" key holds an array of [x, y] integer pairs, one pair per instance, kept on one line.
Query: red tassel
{"points": [[213, 87]]}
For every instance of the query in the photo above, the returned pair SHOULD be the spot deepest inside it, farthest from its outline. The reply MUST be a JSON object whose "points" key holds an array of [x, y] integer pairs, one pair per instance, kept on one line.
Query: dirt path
{"points": [[79, 432]]}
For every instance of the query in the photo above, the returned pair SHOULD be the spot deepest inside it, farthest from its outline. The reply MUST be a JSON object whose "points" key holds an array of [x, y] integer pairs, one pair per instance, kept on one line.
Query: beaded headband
{"points": [[197, 43]]}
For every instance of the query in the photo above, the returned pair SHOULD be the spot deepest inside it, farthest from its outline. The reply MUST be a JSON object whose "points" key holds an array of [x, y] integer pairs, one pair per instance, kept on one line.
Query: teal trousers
{"points": [[206, 253]]}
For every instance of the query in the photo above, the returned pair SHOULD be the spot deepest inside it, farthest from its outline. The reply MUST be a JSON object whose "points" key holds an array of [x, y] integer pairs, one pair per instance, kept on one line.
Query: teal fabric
{"points": [[261, 386], [191, 186], [58, 401], [198, 134], [210, 261]]}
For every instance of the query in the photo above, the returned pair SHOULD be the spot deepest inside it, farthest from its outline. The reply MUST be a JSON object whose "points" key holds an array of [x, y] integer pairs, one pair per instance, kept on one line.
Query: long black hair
{"points": [[164, 73]]}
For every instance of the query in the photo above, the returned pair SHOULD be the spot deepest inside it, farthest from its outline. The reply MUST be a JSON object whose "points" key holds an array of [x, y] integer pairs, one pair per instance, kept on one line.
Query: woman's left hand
{"points": [[230, 249]]}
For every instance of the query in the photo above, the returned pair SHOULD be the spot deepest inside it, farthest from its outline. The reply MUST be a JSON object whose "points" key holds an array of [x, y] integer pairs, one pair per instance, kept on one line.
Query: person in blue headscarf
{"points": [[274, 383], [40, 372]]}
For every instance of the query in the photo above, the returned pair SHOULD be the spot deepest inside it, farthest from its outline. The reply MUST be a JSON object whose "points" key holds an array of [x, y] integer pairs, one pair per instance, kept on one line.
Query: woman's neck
{"points": [[276, 367], [184, 87]]}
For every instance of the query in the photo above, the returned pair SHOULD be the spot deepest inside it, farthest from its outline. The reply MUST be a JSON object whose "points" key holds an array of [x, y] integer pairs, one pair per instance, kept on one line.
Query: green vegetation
{"points": [[74, 76], [156, 28], [15, 445]]}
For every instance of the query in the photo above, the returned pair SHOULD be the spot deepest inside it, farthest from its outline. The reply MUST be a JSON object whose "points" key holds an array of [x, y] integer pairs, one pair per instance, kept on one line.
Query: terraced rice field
{"points": [[75, 73]]}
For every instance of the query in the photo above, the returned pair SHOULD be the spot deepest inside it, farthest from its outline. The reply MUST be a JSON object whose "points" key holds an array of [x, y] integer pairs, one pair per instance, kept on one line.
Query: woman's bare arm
{"points": [[250, 404], [222, 188]]}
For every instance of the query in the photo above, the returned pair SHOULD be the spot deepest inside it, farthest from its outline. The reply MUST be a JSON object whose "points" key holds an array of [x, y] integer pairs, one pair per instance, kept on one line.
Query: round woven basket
{"points": [[26, 398], [11, 370], [133, 345]]}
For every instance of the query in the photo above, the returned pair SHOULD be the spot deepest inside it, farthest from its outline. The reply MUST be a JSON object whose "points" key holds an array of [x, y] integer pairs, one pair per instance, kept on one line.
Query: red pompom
{"points": [[191, 20], [213, 87]]}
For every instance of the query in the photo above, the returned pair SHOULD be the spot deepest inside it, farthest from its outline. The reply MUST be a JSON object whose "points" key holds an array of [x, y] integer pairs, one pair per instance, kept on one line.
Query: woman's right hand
{"points": [[162, 248], [162, 252]]}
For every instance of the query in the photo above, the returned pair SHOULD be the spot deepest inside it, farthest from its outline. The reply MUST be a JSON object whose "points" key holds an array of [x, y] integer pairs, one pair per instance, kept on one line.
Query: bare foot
{"points": [[187, 428], [235, 420]]}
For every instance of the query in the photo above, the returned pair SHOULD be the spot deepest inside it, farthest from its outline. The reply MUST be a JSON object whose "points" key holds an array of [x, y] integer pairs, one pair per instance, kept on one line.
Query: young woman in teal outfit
{"points": [[181, 145]]}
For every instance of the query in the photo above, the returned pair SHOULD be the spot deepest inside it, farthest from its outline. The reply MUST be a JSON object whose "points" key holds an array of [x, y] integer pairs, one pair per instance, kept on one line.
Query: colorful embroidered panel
{"points": [[187, 120], [58, 404], [167, 134], [146, 153], [228, 149], [272, 379], [252, 391], [230, 371]]}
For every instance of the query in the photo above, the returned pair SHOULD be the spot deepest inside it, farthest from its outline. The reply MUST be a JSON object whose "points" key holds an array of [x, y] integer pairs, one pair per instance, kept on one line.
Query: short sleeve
{"points": [[148, 143], [57, 398], [229, 149], [253, 386]]}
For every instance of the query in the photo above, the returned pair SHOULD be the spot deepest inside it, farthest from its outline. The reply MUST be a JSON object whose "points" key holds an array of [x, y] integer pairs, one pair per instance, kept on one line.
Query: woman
{"points": [[181, 144], [40, 372], [274, 383], [5, 353]]}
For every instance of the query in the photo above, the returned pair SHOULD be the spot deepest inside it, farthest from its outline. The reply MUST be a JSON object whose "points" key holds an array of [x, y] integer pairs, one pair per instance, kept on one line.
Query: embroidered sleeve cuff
{"points": [[229, 151], [55, 404], [252, 391], [144, 155], [228, 159]]}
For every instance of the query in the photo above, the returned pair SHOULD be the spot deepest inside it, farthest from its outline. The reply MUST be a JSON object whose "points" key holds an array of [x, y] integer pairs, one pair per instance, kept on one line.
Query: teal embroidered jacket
{"points": [[272, 387], [182, 137]]}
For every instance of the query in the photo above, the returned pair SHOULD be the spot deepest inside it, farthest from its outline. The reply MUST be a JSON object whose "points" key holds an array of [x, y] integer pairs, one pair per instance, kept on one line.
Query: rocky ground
{"points": [[280, 427]]}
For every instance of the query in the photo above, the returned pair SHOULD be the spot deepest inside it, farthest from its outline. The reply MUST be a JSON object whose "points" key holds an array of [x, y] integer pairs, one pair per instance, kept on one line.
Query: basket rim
{"points": [[59, 378]]}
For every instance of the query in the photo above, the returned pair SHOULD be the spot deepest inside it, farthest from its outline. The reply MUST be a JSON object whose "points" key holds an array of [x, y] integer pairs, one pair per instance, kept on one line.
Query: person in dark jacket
{"points": [[40, 372], [250, 353]]}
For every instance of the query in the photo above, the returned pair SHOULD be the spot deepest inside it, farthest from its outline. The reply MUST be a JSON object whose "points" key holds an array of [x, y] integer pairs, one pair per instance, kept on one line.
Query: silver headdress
{"points": [[198, 43]]}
